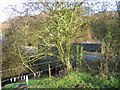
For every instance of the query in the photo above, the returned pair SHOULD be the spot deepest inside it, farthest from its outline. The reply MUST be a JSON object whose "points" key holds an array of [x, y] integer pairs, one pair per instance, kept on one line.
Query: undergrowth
{"points": [[72, 80]]}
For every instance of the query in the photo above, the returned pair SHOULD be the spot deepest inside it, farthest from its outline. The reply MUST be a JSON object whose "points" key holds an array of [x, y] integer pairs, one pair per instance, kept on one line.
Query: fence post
{"points": [[77, 56], [49, 70], [27, 79]]}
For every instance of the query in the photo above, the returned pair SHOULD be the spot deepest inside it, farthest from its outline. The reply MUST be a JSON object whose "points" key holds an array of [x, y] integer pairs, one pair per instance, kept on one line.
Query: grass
{"points": [[72, 80]]}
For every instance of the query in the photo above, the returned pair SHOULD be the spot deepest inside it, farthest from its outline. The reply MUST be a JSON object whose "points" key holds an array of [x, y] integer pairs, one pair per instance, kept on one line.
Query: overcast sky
{"points": [[5, 3]]}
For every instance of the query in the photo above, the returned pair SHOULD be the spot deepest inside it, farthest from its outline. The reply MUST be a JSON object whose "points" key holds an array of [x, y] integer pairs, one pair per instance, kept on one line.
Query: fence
{"points": [[25, 77], [39, 73], [88, 56]]}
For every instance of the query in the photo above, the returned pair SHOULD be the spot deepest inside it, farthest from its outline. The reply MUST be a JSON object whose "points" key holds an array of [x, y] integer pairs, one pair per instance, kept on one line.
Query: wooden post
{"points": [[49, 70], [56, 70], [77, 57]]}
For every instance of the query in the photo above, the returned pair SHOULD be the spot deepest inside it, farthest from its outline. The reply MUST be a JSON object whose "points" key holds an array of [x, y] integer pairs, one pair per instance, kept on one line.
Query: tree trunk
{"points": [[69, 66], [106, 68]]}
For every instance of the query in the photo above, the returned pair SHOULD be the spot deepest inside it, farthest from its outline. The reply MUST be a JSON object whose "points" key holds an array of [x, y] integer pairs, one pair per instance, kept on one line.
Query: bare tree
{"points": [[62, 28]]}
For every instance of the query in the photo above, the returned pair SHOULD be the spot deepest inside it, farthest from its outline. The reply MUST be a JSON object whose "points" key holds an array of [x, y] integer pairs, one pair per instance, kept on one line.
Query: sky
{"points": [[5, 13], [4, 4]]}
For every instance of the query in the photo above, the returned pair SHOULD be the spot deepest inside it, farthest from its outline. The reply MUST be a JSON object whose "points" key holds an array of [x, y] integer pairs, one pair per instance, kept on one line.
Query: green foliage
{"points": [[72, 80]]}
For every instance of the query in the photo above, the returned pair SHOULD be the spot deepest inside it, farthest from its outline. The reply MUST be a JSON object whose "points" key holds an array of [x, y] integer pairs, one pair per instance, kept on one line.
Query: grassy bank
{"points": [[72, 80]]}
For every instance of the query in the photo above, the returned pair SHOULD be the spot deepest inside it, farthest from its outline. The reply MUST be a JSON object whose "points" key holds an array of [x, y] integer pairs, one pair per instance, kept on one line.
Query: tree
{"points": [[62, 28], [105, 27]]}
